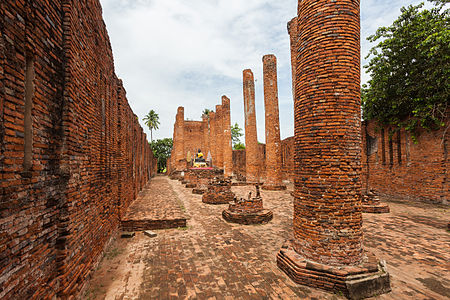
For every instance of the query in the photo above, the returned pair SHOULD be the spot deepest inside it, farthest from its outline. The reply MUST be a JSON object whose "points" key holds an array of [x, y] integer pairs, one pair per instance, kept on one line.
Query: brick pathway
{"points": [[214, 259], [156, 207]]}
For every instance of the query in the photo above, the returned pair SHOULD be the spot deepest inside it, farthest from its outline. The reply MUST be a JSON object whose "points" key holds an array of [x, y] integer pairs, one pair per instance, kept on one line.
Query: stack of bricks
{"points": [[274, 177], [252, 158], [371, 203], [219, 192], [327, 206], [199, 179], [73, 154], [248, 211]]}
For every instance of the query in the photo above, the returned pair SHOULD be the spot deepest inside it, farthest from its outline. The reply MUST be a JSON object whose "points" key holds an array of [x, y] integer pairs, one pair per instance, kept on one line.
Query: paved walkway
{"points": [[156, 207], [213, 259]]}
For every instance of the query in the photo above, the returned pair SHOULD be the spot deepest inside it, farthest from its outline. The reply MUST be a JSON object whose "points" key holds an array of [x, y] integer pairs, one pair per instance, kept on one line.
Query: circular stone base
{"points": [[198, 191], [273, 187], [261, 217], [375, 209]]}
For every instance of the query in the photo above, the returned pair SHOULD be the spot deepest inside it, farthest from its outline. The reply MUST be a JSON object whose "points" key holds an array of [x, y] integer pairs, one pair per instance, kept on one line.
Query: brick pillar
{"points": [[251, 138], [227, 145], [327, 206], [274, 180], [180, 156], [212, 137], [205, 128], [292, 30], [219, 136]]}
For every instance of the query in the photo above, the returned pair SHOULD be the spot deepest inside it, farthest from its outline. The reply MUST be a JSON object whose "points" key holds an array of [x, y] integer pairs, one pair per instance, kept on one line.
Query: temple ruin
{"points": [[76, 170]]}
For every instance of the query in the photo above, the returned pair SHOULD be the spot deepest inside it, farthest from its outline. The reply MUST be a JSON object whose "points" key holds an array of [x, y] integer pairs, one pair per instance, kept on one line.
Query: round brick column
{"points": [[212, 137], [179, 140], [227, 146], [251, 139], [292, 30], [274, 180], [219, 136], [327, 206]]}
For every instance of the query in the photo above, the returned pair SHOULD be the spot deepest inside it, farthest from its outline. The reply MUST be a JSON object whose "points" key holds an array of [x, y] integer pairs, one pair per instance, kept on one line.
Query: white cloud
{"points": [[190, 53]]}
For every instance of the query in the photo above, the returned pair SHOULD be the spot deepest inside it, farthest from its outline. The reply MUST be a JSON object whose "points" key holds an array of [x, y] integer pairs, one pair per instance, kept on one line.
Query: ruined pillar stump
{"points": [[326, 251], [199, 178], [219, 192], [274, 180], [248, 211], [371, 203], [227, 144]]}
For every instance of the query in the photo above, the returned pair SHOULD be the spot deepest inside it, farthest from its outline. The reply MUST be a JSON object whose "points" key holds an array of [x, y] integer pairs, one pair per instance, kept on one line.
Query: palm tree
{"points": [[206, 111], [152, 121]]}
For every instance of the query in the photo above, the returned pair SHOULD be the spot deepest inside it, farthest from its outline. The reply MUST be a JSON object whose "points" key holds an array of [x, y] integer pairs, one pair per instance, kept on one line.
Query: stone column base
{"points": [[190, 185], [216, 199], [198, 191], [355, 282], [183, 181], [270, 187], [261, 217], [376, 208]]}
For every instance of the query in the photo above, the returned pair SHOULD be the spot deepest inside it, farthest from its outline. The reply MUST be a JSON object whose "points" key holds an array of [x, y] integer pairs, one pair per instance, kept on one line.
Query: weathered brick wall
{"points": [[287, 158], [194, 137], [395, 166], [88, 159]]}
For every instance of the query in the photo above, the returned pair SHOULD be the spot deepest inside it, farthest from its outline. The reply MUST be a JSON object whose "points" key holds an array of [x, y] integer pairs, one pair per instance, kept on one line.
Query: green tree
{"points": [[239, 146], [410, 70], [161, 150], [206, 112], [236, 133], [152, 122]]}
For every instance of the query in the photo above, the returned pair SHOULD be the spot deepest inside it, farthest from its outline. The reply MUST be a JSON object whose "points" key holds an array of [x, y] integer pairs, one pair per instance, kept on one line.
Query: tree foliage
{"points": [[151, 120], [206, 111], [239, 146], [161, 150], [410, 70], [236, 133]]}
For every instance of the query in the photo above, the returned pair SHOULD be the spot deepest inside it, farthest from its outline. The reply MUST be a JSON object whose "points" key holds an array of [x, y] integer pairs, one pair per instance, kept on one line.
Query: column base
{"points": [[262, 217], [376, 208], [270, 187], [198, 191], [183, 181], [368, 279], [190, 185]]}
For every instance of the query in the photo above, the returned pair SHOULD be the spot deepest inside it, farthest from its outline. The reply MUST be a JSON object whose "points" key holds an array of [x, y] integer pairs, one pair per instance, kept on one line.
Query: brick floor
{"points": [[156, 207], [211, 258]]}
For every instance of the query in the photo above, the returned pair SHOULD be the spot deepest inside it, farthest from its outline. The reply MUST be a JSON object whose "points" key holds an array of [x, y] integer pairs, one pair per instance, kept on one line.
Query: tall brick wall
{"points": [[212, 134], [395, 166], [287, 158], [88, 156], [327, 208]]}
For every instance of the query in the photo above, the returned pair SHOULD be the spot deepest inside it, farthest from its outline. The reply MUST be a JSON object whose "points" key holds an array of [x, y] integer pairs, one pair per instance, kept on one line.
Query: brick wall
{"points": [[73, 155], [395, 166]]}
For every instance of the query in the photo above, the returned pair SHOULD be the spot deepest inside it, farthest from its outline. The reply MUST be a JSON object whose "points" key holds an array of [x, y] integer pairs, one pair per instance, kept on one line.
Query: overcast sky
{"points": [[173, 53]]}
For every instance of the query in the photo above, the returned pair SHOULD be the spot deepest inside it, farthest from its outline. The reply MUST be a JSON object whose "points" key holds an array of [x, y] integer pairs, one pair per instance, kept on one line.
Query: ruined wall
{"points": [[395, 166], [287, 159], [194, 137], [73, 155]]}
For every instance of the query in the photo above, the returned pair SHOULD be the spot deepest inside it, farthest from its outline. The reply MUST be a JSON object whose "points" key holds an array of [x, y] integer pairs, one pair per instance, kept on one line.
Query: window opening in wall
{"points": [[28, 122]]}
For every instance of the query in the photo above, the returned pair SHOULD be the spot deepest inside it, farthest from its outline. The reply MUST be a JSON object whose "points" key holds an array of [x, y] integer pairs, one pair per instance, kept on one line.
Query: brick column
{"points": [[274, 179], [227, 145], [219, 135], [327, 206], [251, 138], [205, 129], [292, 30], [212, 137], [180, 156]]}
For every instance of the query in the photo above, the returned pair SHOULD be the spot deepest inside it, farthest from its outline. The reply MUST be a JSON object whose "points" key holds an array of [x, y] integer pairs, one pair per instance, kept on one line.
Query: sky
{"points": [[172, 53]]}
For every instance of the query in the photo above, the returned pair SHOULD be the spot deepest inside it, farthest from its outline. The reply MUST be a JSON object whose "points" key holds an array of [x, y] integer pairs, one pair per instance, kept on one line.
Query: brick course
{"points": [[89, 156]]}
